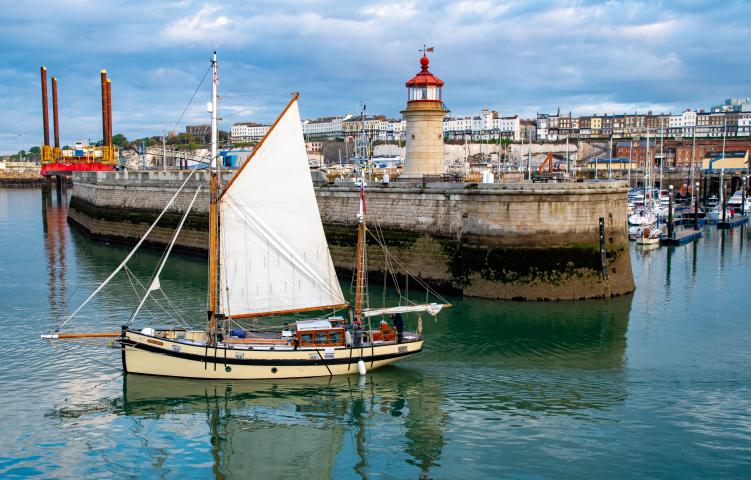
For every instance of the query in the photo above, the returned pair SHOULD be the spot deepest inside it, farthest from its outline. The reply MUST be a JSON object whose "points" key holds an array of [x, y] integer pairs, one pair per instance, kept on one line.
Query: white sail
{"points": [[273, 252]]}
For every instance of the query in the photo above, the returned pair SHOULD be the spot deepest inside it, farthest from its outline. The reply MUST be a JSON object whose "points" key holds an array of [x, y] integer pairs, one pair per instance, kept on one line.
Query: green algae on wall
{"points": [[194, 221], [520, 264]]}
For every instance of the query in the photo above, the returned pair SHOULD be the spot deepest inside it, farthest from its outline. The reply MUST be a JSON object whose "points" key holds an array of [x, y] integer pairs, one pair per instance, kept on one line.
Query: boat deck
{"points": [[272, 341]]}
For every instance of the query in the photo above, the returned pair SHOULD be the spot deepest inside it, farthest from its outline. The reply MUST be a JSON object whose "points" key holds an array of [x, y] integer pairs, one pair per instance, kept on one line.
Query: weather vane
{"points": [[425, 49]]}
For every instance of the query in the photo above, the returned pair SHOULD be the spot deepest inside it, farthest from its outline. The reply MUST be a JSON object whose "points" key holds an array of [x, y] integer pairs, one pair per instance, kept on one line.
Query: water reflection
{"points": [[55, 230], [180, 301], [588, 334], [489, 369], [302, 427]]}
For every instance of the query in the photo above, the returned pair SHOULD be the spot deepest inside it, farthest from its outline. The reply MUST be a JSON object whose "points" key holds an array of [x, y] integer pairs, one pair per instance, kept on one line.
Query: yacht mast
{"points": [[662, 154], [213, 211], [362, 156]]}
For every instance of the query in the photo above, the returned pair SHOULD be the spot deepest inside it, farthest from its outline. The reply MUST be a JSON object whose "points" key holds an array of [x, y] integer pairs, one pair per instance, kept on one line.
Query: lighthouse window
{"points": [[423, 94]]}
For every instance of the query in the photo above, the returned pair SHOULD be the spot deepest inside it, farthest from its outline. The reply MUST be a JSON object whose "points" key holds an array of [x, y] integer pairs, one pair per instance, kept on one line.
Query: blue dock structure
{"points": [[675, 237], [681, 238], [733, 222], [689, 221]]}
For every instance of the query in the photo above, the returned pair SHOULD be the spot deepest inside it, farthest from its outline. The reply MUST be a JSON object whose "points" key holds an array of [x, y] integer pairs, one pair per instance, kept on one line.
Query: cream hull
{"points": [[158, 356], [648, 241]]}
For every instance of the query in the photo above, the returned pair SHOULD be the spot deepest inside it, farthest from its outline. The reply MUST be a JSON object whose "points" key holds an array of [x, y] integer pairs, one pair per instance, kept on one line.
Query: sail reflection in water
{"points": [[315, 428]]}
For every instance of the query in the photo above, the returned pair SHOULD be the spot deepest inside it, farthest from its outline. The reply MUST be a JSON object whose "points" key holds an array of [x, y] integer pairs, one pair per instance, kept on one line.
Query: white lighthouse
{"points": [[424, 116]]}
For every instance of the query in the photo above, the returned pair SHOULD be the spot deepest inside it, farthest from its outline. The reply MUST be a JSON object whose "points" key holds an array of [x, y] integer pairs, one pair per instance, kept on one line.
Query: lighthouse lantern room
{"points": [[424, 87], [424, 130]]}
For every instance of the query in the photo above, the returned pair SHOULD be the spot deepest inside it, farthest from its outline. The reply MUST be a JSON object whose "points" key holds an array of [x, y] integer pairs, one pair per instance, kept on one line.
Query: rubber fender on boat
{"points": [[361, 367]]}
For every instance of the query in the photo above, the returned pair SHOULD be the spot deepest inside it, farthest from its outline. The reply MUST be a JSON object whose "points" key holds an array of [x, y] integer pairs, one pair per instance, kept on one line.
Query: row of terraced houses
{"points": [[730, 119]]}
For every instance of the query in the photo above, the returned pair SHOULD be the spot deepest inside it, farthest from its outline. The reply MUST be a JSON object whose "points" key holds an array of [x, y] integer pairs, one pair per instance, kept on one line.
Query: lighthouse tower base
{"points": [[425, 152]]}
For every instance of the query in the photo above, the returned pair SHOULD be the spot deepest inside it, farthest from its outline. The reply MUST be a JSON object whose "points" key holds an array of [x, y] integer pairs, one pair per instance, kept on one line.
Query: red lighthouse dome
{"points": [[424, 87]]}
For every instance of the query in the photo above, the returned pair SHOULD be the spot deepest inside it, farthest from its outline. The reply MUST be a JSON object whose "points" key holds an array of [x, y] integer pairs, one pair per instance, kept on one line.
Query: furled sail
{"points": [[431, 308], [273, 252]]}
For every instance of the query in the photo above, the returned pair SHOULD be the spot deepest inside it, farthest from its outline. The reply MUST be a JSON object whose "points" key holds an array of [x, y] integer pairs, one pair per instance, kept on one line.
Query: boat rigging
{"points": [[268, 256]]}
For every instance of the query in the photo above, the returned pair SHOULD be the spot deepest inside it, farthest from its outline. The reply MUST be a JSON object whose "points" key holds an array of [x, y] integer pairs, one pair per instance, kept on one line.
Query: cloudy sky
{"points": [[512, 56]]}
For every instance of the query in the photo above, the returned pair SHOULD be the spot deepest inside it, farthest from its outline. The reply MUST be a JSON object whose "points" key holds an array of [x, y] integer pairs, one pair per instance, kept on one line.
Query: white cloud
{"points": [[392, 11], [519, 57], [207, 25], [486, 9]]}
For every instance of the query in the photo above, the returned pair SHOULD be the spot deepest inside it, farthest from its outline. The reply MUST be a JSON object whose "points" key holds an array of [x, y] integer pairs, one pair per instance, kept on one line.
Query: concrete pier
{"points": [[511, 241]]}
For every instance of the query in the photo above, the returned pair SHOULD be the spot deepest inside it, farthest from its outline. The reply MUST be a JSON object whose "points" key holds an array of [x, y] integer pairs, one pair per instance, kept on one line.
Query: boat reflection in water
{"points": [[311, 428]]}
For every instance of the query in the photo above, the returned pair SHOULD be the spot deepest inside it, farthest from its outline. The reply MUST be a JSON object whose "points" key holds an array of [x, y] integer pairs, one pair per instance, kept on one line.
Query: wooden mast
{"points": [[213, 213], [361, 228], [359, 268]]}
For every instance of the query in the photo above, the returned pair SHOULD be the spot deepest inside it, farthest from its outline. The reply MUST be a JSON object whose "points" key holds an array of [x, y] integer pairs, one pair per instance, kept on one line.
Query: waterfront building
{"points": [[330, 128], [489, 125], [375, 126], [248, 132], [202, 132], [544, 123], [734, 105], [730, 162], [729, 120], [325, 127], [462, 128], [510, 127], [732, 119], [424, 117], [395, 130]]}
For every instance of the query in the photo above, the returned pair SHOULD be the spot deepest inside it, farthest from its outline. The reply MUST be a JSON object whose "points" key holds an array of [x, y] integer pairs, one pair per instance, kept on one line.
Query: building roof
{"points": [[716, 155], [424, 78]]}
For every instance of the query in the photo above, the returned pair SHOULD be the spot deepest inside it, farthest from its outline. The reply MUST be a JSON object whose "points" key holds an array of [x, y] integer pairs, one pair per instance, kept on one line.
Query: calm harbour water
{"points": [[654, 384]]}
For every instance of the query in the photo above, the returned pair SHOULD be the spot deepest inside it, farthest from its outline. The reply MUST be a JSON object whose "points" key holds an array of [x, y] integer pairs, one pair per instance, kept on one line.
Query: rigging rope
{"points": [[154, 283], [174, 129], [179, 319], [128, 257], [407, 273]]}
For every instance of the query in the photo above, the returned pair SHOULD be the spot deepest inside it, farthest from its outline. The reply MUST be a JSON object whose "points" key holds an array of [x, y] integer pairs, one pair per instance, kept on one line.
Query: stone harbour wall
{"points": [[509, 241]]}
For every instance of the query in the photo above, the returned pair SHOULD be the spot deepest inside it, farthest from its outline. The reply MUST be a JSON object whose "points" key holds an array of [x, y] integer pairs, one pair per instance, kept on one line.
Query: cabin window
{"points": [[321, 338], [335, 337], [306, 338]]}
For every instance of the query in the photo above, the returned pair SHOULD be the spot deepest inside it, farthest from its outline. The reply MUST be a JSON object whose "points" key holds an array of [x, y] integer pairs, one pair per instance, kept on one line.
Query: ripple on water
{"points": [[653, 384]]}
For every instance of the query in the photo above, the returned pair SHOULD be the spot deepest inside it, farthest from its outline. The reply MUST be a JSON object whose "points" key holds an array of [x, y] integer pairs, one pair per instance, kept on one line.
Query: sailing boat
{"points": [[268, 256]]}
